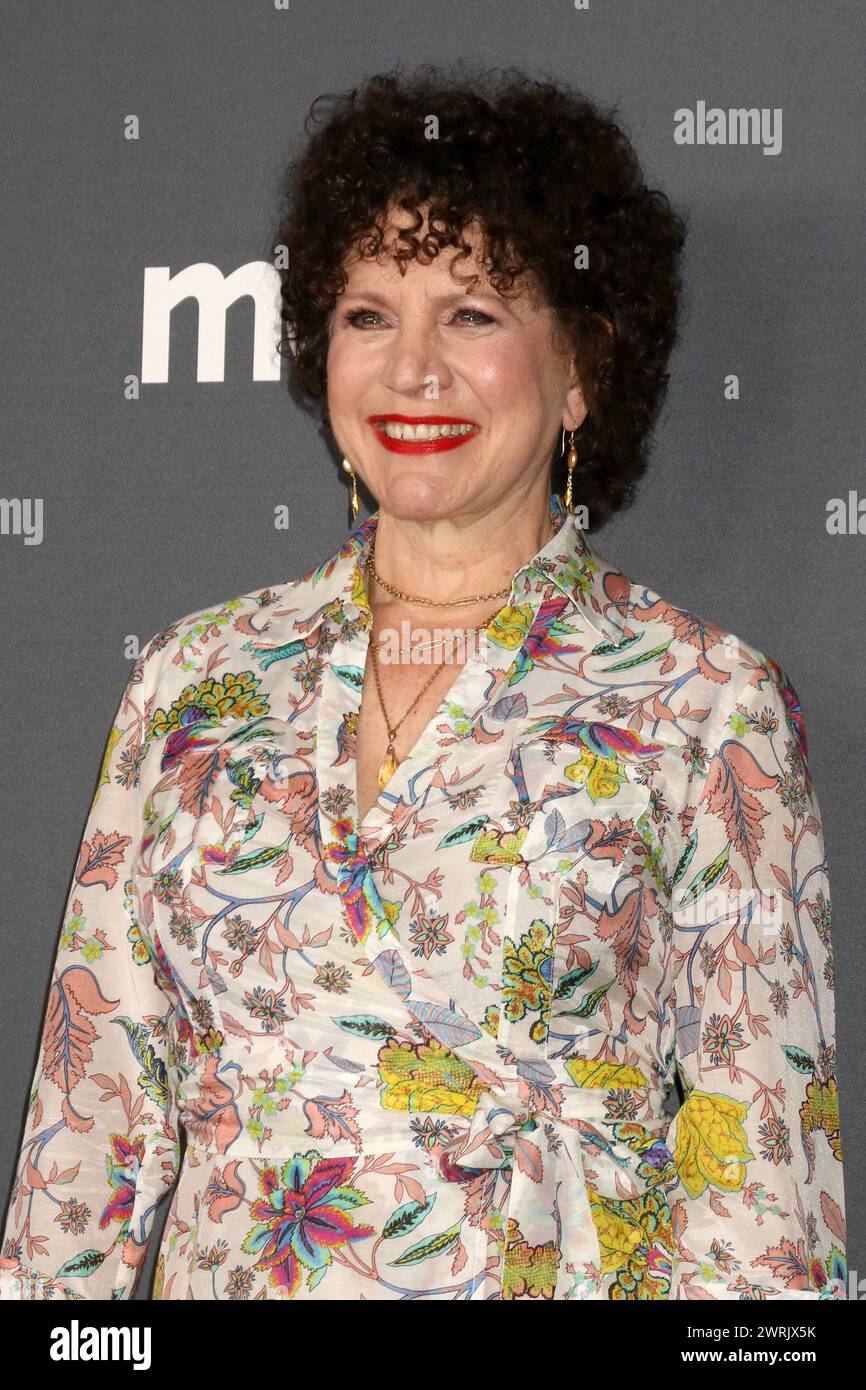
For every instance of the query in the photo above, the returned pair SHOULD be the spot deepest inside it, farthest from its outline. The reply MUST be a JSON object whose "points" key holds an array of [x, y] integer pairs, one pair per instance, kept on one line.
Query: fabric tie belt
{"points": [[563, 1168]]}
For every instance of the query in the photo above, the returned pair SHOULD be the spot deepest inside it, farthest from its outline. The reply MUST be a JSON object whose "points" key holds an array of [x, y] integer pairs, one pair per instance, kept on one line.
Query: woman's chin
{"points": [[414, 498]]}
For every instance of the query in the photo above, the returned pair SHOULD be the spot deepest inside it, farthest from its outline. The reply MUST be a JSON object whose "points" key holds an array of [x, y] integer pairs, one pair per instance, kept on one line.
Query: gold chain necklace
{"points": [[391, 762], [429, 602]]}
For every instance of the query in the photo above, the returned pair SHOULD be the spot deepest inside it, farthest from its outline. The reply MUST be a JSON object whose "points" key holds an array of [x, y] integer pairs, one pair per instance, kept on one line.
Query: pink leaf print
{"points": [[336, 1119], [69, 1036], [213, 1114], [732, 776], [788, 1262], [225, 1191], [97, 858]]}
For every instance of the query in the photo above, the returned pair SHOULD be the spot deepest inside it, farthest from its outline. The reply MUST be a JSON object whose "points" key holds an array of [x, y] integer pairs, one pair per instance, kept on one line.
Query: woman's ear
{"points": [[575, 409]]}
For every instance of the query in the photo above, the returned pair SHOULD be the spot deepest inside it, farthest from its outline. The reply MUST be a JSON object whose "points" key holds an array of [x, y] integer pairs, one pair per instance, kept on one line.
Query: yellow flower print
{"points": [[498, 847], [711, 1144], [359, 590], [526, 975], [528, 1271], [820, 1110], [427, 1077], [490, 1022], [510, 626], [235, 695], [618, 1237], [636, 1242], [602, 777], [587, 1071]]}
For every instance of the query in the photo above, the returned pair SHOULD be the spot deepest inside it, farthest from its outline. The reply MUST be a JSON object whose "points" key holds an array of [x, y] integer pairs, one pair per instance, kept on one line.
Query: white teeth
{"points": [[422, 432]]}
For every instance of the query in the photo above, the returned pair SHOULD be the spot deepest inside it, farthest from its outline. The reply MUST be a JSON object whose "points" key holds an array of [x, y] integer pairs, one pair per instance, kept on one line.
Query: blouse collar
{"points": [[568, 563]]}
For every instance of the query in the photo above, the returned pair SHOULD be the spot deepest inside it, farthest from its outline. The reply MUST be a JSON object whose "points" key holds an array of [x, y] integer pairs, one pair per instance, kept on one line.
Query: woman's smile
{"points": [[422, 434]]}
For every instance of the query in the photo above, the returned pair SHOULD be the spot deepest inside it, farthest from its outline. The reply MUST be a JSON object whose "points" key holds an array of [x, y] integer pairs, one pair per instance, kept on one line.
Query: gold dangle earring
{"points": [[572, 464], [354, 503]]}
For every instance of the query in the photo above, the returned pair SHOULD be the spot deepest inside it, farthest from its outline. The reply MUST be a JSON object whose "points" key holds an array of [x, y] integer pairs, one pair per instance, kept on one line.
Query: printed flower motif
{"points": [[529, 1271], [605, 742], [239, 1283], [498, 847], [302, 1217], [427, 1076], [361, 901], [220, 854], [138, 946], [234, 696], [793, 706], [73, 1216], [527, 972], [490, 1022], [510, 626], [588, 1071], [429, 935], [636, 1242], [167, 885], [820, 1111], [821, 914], [266, 1007], [208, 624], [213, 1257], [122, 1165], [240, 934], [775, 1140], [711, 1144], [602, 777], [111, 743], [723, 1040], [830, 1274], [333, 978], [194, 1017]]}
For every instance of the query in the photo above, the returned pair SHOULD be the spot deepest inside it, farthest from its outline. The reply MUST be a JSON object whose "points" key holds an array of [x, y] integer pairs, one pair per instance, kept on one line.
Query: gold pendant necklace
{"points": [[391, 762]]}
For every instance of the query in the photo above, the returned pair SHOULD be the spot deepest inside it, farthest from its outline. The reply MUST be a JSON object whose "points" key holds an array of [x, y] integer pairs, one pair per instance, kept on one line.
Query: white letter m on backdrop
{"points": [[214, 292]]}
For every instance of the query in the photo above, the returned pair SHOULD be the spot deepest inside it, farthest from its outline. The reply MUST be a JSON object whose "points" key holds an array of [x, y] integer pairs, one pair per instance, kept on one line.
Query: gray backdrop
{"points": [[158, 497]]}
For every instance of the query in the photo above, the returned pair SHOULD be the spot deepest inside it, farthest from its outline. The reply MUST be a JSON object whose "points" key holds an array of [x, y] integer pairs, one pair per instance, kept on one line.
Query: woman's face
{"points": [[419, 345]]}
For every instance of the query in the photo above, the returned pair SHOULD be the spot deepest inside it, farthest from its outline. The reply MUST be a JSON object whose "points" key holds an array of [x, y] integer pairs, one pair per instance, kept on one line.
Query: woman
{"points": [[414, 889]]}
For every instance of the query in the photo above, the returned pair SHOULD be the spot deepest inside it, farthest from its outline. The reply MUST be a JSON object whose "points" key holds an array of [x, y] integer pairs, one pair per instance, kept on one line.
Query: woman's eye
{"points": [[355, 317], [478, 314]]}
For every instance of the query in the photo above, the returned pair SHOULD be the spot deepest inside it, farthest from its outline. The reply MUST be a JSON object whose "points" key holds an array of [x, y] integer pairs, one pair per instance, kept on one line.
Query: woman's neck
{"points": [[458, 558]]}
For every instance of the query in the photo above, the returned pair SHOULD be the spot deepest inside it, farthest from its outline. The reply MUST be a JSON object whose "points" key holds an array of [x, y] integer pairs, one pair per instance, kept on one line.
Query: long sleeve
{"points": [[759, 1211], [99, 1147]]}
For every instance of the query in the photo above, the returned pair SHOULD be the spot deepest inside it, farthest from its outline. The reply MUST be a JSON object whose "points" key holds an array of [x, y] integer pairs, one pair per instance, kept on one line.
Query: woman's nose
{"points": [[414, 360]]}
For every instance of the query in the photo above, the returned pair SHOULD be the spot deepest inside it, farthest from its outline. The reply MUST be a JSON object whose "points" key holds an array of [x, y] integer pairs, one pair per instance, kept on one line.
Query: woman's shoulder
{"points": [[234, 642], [710, 674], [259, 629]]}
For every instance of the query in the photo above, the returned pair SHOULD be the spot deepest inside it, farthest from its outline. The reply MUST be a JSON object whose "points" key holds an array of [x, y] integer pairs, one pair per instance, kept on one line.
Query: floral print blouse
{"points": [[438, 1054]]}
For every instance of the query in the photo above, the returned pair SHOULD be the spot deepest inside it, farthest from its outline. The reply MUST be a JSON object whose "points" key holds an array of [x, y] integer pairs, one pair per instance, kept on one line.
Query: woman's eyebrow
{"points": [[451, 298]]}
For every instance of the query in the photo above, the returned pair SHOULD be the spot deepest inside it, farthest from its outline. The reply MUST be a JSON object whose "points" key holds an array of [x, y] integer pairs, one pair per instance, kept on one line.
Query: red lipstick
{"points": [[422, 446]]}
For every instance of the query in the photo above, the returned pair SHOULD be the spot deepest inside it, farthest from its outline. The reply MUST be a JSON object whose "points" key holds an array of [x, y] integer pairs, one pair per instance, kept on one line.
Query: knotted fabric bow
{"points": [[560, 1166]]}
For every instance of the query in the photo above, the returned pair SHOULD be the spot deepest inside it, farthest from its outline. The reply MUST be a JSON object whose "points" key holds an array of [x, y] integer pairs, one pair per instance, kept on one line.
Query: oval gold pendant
{"points": [[387, 768]]}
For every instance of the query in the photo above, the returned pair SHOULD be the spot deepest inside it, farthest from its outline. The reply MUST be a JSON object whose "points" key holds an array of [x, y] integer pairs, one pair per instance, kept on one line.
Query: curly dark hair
{"points": [[541, 170]]}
